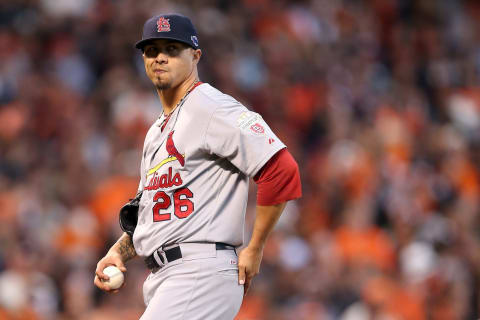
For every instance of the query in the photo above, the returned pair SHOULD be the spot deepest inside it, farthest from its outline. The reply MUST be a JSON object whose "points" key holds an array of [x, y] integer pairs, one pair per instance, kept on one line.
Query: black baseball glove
{"points": [[128, 215]]}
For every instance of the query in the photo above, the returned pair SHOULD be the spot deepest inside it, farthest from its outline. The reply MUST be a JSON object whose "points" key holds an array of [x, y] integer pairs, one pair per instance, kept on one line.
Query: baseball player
{"points": [[197, 160]]}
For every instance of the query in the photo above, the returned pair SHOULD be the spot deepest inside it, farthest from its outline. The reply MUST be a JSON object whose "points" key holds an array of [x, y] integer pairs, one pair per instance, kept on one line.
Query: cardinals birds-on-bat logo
{"points": [[172, 150]]}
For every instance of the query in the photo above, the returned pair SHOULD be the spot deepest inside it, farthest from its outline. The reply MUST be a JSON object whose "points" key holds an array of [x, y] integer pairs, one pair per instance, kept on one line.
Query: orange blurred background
{"points": [[378, 101]]}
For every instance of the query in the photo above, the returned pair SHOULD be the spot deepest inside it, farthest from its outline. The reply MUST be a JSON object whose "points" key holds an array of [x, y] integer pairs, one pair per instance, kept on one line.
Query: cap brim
{"points": [[142, 43]]}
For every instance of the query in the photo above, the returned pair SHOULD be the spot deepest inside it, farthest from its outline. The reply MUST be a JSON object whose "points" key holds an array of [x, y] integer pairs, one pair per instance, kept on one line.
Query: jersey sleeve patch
{"points": [[251, 122], [241, 136]]}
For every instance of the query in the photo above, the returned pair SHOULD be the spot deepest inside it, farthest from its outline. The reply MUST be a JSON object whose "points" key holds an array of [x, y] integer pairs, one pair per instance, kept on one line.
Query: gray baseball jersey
{"points": [[195, 173]]}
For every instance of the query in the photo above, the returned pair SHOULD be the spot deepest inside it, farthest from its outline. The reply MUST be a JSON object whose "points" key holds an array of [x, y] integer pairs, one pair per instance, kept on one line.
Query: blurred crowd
{"points": [[378, 100]]}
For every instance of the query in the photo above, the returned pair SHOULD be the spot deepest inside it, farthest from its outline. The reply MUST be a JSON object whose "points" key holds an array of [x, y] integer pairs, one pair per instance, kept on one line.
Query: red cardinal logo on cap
{"points": [[163, 25], [172, 150]]}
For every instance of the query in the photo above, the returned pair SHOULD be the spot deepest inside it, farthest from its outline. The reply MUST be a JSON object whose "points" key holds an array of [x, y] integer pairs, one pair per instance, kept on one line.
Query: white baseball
{"points": [[116, 277]]}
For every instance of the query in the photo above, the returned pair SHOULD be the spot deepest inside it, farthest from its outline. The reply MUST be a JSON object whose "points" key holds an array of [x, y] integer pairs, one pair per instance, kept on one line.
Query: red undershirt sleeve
{"points": [[279, 180]]}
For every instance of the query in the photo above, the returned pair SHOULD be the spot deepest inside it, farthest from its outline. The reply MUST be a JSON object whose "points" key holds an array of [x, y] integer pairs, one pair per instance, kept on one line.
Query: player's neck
{"points": [[171, 97]]}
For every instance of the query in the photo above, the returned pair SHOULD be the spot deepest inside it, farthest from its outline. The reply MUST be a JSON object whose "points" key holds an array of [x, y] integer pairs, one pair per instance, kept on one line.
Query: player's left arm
{"points": [[278, 182]]}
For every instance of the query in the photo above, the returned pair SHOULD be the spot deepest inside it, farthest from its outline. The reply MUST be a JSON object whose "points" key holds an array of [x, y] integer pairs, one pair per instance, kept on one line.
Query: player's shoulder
{"points": [[209, 99], [152, 130]]}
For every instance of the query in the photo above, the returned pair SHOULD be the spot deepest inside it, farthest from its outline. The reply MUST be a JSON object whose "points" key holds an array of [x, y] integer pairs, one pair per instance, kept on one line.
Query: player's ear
{"points": [[197, 53]]}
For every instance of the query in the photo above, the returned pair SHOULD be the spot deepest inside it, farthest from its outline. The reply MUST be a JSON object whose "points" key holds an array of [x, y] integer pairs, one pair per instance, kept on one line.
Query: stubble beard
{"points": [[164, 86], [160, 85]]}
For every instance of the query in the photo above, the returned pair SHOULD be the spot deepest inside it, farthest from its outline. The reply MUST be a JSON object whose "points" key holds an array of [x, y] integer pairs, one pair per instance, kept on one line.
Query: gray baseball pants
{"points": [[202, 285]]}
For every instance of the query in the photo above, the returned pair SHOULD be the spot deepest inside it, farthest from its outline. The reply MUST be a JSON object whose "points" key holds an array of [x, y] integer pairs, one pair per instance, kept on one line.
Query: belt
{"points": [[160, 257]]}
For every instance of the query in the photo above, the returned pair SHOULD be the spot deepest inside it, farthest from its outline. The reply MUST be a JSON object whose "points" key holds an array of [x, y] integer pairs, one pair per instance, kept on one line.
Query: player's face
{"points": [[168, 63]]}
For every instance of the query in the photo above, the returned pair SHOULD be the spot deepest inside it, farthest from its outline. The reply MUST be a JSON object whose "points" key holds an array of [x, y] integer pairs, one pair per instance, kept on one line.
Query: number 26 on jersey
{"points": [[182, 205]]}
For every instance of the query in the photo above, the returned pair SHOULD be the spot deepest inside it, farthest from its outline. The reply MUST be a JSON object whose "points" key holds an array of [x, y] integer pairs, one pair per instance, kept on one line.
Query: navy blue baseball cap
{"points": [[169, 26]]}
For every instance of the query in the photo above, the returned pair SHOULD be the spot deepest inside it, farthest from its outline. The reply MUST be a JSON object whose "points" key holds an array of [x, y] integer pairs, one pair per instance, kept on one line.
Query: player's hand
{"points": [[249, 261], [111, 259]]}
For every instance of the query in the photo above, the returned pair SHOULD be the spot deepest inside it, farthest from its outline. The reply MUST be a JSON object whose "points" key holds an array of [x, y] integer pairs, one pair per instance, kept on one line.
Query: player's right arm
{"points": [[122, 251]]}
